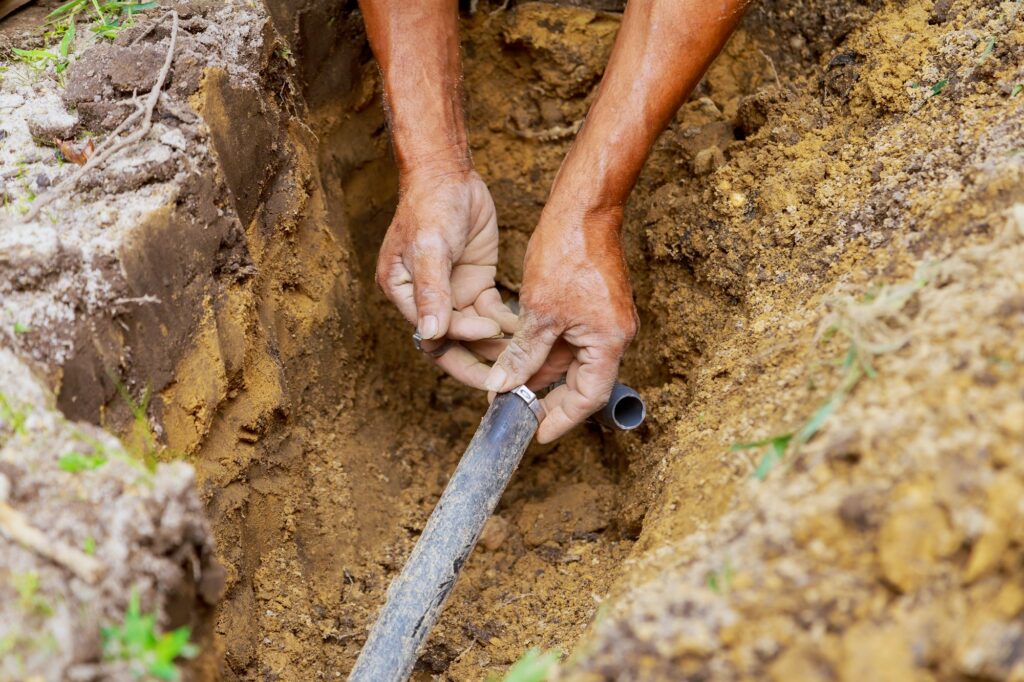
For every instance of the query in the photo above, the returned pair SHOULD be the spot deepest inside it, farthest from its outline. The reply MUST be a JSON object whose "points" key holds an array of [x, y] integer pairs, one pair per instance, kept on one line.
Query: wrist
{"points": [[571, 210], [431, 170], [418, 159]]}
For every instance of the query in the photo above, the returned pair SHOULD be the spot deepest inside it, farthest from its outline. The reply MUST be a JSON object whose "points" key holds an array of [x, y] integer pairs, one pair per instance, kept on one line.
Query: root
{"points": [[114, 143], [14, 525]]}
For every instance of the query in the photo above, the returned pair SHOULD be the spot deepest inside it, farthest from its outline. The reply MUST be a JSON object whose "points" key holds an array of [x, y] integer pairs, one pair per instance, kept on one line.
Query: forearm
{"points": [[417, 47], [661, 53]]}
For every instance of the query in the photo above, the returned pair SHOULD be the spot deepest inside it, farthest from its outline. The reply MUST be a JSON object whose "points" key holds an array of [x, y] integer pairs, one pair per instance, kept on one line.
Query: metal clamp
{"points": [[530, 398], [417, 341]]}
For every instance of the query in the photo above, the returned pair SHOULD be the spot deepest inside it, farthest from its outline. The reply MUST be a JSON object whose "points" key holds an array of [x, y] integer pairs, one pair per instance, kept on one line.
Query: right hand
{"points": [[437, 265]]}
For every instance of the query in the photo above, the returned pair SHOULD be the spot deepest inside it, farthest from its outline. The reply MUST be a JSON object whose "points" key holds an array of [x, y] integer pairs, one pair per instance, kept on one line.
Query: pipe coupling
{"points": [[531, 400]]}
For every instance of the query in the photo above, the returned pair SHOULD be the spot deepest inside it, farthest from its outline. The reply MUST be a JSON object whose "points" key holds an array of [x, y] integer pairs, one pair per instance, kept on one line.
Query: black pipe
{"points": [[416, 596]]}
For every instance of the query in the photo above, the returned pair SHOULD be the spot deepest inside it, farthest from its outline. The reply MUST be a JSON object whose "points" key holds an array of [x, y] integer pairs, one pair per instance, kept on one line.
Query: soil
{"points": [[836, 151]]}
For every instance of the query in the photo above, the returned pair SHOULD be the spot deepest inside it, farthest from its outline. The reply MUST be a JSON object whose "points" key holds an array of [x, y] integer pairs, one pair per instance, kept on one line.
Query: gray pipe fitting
{"points": [[625, 410]]}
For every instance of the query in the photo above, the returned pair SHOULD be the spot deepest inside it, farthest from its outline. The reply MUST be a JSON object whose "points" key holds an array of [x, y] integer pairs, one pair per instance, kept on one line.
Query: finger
{"points": [[488, 349], [466, 325], [524, 355], [489, 304], [464, 366], [587, 388], [554, 368], [395, 281], [431, 278]]}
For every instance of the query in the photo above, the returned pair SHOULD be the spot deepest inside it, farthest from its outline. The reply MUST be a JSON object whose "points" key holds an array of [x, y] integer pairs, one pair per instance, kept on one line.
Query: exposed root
{"points": [[114, 143], [14, 525]]}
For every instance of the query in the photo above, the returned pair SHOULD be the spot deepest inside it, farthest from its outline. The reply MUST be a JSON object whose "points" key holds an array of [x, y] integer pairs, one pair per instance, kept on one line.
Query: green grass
{"points": [[150, 654]]}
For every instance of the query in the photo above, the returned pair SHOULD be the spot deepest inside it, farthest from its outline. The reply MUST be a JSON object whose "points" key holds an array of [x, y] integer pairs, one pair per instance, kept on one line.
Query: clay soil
{"points": [[848, 175]]}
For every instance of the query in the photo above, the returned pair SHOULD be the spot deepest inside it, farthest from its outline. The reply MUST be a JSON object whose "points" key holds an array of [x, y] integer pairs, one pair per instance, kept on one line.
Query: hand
{"points": [[577, 317], [437, 265]]}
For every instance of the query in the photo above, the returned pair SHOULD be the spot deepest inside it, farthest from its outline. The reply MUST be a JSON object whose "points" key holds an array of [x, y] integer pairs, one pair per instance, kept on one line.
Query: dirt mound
{"points": [[833, 450]]}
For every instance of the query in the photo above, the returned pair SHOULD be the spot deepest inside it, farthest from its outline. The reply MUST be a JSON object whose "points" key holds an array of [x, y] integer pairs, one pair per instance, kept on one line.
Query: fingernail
{"points": [[496, 379], [428, 327]]}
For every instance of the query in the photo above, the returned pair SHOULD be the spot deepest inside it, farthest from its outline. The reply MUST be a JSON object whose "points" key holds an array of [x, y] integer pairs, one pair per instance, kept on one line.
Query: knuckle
{"points": [[382, 280]]}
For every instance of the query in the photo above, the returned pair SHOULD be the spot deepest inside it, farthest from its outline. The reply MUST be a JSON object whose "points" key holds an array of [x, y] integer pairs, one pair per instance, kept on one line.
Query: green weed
{"points": [[990, 45], [75, 462], [60, 57], [14, 416], [720, 581], [140, 440], [110, 18], [148, 652], [1016, 89], [89, 545], [29, 599], [533, 666], [20, 328]]}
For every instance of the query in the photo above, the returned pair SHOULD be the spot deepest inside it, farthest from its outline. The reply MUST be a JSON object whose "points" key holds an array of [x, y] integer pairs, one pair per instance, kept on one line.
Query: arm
{"points": [[577, 309], [439, 257]]}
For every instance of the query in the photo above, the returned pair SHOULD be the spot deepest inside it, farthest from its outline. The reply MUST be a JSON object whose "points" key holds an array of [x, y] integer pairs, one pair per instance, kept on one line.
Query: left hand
{"points": [[576, 316]]}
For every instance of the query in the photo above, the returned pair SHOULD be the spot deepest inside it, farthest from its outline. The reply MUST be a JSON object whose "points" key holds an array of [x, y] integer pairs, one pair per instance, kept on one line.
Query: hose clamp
{"points": [[530, 398]]}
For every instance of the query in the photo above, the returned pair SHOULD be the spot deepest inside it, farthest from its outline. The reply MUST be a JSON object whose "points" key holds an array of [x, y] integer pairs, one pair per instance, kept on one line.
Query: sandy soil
{"points": [[834, 151]]}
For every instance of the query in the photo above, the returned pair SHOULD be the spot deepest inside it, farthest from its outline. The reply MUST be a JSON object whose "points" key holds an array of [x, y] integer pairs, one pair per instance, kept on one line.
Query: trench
{"points": [[322, 440]]}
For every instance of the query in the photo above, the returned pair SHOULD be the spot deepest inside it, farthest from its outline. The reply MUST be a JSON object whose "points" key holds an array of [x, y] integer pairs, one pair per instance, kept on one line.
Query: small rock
{"points": [[494, 534], [993, 651], [53, 124], [42, 181], [940, 12], [878, 653], [912, 540], [1004, 516], [3, 135], [174, 138], [708, 161], [800, 663]]}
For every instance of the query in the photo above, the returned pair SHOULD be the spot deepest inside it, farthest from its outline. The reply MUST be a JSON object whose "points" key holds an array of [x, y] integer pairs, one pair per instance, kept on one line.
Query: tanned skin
{"points": [[438, 260]]}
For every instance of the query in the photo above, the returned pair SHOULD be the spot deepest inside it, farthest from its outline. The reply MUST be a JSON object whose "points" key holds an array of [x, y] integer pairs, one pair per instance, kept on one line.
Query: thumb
{"points": [[525, 354], [431, 281]]}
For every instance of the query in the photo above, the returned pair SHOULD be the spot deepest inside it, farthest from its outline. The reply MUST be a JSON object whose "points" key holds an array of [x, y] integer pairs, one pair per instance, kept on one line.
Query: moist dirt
{"points": [[838, 153]]}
